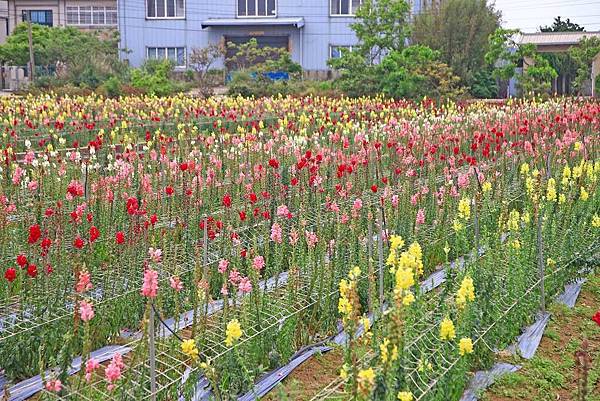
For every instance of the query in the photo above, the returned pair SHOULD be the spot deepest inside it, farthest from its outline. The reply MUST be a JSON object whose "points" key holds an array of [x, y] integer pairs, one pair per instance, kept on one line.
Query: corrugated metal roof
{"points": [[554, 38], [298, 22]]}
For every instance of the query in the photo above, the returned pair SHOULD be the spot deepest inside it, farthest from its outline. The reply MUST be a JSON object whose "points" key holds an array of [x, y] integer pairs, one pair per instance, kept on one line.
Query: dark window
{"points": [[41, 17], [256, 8], [165, 8], [175, 54], [344, 7], [275, 42]]}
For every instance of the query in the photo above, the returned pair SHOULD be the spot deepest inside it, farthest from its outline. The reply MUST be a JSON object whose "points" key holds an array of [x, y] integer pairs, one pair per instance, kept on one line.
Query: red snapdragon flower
{"points": [[32, 271], [374, 188], [10, 274], [252, 197], [94, 233], [34, 234], [596, 318], [227, 200], [22, 260], [242, 215], [78, 243], [169, 190], [274, 163], [46, 242], [132, 205], [120, 237], [183, 166]]}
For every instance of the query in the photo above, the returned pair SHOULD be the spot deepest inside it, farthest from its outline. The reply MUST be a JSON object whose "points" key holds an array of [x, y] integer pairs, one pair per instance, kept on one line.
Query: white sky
{"points": [[529, 15]]}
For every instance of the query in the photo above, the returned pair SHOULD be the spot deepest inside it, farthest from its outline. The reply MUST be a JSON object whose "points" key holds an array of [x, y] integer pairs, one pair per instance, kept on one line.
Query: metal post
{"points": [[152, 353], [370, 261], [476, 227], [205, 263], [541, 266], [380, 259], [205, 249], [30, 39]]}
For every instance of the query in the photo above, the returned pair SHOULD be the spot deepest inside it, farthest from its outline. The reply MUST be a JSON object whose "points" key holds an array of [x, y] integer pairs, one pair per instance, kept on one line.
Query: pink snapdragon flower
{"points": [[245, 285], [84, 283], [86, 311], [311, 239], [54, 385], [90, 366], [234, 277], [175, 283], [420, 217], [150, 286], [223, 265], [463, 180], [276, 233], [155, 254], [283, 211], [258, 263], [18, 173], [32, 186], [113, 370]]}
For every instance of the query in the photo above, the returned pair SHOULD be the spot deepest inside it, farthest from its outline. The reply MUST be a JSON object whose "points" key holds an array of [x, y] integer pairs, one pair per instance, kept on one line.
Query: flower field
{"points": [[181, 248]]}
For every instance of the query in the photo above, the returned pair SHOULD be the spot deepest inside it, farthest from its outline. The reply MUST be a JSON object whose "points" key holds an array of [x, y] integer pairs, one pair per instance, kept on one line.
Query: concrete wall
{"points": [[58, 8], [309, 45]]}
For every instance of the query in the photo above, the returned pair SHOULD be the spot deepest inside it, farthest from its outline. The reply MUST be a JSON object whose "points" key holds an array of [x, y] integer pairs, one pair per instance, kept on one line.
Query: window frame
{"points": [[94, 9], [351, 10], [165, 49], [29, 11], [332, 46], [156, 17], [237, 10]]}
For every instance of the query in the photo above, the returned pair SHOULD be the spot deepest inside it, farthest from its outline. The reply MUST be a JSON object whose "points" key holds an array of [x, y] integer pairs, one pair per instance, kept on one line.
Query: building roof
{"points": [[297, 22], [554, 38]]}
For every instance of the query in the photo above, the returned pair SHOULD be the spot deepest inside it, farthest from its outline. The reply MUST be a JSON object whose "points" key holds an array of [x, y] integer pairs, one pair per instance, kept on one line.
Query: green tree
{"points": [[357, 77], [505, 55], [251, 64], [459, 30], [416, 72], [381, 27], [563, 63], [583, 55], [562, 26], [85, 58]]}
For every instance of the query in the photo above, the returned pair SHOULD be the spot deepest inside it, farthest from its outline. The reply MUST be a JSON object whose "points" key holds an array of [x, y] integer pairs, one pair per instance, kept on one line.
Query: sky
{"points": [[528, 15]]}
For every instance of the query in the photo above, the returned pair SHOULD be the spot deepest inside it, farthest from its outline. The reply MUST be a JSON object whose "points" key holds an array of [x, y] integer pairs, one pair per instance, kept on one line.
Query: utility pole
{"points": [[31, 58]]}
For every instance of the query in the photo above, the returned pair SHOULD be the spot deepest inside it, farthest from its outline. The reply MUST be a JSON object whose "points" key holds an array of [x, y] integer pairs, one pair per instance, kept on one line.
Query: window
{"points": [[111, 16], [256, 8], [85, 15], [175, 54], [96, 15], [165, 8], [335, 51], [344, 7], [41, 17]]}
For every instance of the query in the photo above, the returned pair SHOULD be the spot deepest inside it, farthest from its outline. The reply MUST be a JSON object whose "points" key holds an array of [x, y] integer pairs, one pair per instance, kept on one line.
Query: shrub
{"points": [[154, 78], [112, 87], [483, 85]]}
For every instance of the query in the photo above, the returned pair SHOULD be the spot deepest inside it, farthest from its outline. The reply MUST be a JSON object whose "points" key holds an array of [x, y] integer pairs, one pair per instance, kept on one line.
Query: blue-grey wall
{"points": [[309, 45]]}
